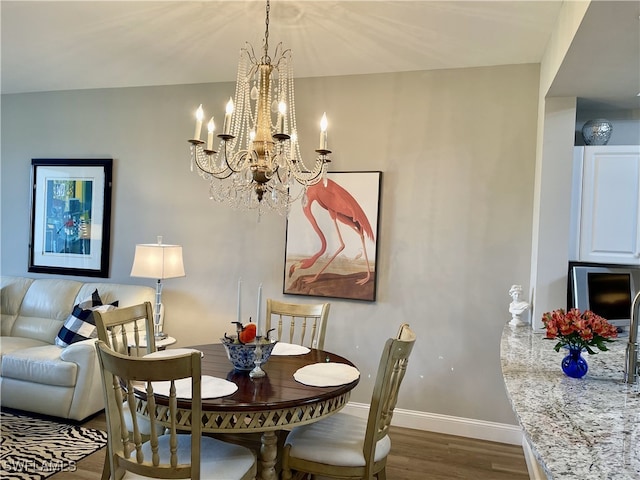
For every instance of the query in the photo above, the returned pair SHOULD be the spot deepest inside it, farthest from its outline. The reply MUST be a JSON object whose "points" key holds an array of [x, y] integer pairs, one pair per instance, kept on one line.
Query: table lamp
{"points": [[158, 261]]}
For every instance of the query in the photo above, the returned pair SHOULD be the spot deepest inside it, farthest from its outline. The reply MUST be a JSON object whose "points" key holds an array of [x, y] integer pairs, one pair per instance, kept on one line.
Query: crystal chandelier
{"points": [[258, 162]]}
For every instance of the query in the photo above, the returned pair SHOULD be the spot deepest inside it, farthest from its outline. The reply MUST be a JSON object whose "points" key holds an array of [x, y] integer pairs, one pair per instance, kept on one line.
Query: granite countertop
{"points": [[579, 429]]}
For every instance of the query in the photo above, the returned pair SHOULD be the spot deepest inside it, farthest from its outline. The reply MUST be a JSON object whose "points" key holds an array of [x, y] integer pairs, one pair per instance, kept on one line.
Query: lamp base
{"points": [[160, 336]]}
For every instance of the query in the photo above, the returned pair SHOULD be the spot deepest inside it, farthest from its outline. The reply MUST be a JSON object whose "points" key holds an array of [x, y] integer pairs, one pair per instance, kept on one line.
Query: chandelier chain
{"points": [[266, 58]]}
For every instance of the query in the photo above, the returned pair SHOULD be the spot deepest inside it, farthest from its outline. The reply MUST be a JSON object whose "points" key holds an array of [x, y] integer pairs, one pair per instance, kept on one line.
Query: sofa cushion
{"points": [[80, 325], [40, 365], [11, 344], [112, 292], [12, 291], [46, 305]]}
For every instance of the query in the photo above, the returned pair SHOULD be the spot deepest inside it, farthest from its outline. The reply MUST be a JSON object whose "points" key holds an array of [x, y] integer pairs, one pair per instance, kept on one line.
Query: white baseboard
{"points": [[433, 422]]}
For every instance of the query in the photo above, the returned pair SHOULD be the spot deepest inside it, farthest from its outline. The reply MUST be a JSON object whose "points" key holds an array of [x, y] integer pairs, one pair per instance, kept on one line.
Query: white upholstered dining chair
{"points": [[172, 454], [302, 324], [345, 446]]}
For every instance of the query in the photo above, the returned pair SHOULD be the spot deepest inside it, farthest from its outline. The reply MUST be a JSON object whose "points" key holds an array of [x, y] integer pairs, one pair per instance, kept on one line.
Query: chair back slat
{"points": [[122, 374], [306, 324], [135, 433], [391, 372]]}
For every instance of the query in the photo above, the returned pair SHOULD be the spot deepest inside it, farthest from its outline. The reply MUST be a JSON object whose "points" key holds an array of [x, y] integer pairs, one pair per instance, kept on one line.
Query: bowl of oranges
{"points": [[241, 347]]}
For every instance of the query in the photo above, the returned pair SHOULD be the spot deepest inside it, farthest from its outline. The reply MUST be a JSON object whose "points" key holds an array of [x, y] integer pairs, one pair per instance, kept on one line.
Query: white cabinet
{"points": [[608, 223]]}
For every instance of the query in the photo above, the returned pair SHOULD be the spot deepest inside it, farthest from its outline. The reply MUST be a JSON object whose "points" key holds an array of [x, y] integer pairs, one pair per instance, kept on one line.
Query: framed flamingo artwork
{"points": [[332, 237]]}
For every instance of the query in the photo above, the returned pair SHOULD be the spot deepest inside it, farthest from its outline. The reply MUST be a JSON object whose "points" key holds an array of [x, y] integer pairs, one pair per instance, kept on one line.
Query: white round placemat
{"points": [[282, 348], [326, 374], [211, 387]]}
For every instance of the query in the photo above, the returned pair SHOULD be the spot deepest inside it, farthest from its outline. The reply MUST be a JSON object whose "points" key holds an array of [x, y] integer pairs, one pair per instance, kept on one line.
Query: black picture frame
{"points": [[70, 229], [314, 264]]}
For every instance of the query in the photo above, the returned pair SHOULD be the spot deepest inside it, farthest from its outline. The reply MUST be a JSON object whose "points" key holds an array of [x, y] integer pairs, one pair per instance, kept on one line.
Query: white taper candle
{"points": [[239, 302], [199, 117], [210, 128], [226, 128], [258, 331], [282, 110], [323, 132]]}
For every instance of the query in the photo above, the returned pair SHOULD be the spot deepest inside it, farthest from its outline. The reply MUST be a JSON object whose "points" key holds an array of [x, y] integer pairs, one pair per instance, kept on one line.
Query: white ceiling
{"points": [[56, 45], [71, 45], [603, 63]]}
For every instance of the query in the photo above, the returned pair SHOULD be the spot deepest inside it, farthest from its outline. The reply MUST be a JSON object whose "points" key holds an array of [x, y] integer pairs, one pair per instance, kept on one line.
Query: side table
{"points": [[160, 344], [164, 343]]}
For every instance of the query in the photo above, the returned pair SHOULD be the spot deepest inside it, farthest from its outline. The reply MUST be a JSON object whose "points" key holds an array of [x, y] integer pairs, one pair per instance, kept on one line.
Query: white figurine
{"points": [[518, 306]]}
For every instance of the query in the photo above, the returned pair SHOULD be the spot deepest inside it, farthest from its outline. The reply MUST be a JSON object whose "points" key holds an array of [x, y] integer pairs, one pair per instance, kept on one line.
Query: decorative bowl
{"points": [[242, 355]]}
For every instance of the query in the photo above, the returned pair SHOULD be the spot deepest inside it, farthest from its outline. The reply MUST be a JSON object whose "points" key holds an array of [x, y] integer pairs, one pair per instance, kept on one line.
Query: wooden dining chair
{"points": [[127, 330], [169, 455], [345, 446], [302, 324]]}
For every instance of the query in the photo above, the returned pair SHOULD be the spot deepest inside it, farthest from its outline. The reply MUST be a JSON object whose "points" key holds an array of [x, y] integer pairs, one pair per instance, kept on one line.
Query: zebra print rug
{"points": [[36, 448]]}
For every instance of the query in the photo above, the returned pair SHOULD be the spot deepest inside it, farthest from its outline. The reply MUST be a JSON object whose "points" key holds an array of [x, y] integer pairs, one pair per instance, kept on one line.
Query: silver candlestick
{"points": [[257, 370]]}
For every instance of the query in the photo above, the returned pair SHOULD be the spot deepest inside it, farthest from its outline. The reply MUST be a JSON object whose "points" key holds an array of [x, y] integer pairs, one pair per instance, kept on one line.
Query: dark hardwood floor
{"points": [[415, 455], [420, 455]]}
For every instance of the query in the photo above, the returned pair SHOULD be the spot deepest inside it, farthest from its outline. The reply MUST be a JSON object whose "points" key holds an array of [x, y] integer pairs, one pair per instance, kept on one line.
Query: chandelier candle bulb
{"points": [[210, 128], [199, 117], [282, 109], [323, 132], [227, 117]]}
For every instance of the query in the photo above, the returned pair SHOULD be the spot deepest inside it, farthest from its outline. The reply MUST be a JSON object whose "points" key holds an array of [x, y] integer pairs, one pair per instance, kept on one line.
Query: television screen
{"points": [[610, 294]]}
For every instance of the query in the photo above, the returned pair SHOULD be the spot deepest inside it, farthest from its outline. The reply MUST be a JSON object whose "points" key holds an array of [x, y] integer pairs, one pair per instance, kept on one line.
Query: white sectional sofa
{"points": [[37, 375]]}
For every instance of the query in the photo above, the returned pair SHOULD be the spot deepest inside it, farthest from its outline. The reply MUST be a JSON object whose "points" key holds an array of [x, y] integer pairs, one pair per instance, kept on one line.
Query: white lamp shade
{"points": [[158, 261]]}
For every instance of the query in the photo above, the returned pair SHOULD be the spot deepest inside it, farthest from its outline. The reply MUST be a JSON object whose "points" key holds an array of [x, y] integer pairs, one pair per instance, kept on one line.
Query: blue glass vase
{"points": [[573, 365]]}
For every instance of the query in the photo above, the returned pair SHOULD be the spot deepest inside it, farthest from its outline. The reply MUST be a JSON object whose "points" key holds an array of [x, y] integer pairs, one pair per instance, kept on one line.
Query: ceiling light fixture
{"points": [[258, 159]]}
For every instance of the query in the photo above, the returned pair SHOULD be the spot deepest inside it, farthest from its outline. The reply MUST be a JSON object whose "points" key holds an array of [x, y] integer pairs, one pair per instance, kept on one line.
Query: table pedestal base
{"points": [[268, 455]]}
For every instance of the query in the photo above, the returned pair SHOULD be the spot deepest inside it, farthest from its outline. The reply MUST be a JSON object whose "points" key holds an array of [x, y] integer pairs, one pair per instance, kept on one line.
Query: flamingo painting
{"points": [[343, 210]]}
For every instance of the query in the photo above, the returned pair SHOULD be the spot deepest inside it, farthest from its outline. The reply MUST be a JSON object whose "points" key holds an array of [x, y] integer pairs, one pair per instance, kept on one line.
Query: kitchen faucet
{"points": [[631, 364]]}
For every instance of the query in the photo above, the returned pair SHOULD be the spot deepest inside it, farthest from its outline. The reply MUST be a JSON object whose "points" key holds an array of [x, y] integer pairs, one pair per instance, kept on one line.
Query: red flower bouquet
{"points": [[578, 330]]}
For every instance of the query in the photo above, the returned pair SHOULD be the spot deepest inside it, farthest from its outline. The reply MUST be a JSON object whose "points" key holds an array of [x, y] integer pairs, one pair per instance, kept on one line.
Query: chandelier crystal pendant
{"points": [[258, 160]]}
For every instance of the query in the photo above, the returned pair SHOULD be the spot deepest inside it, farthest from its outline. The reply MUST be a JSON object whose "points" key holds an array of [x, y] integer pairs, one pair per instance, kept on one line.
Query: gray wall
{"points": [[457, 152]]}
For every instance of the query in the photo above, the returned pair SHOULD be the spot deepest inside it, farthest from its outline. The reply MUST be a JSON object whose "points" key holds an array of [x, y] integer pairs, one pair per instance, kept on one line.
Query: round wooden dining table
{"points": [[266, 404]]}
